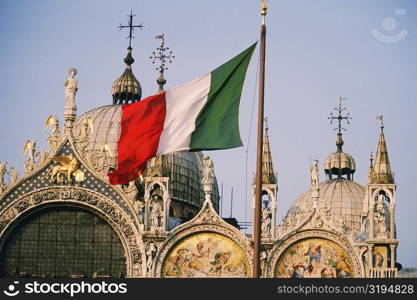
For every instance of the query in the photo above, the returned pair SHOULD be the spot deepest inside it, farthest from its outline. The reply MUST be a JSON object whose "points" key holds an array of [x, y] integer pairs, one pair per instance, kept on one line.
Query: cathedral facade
{"points": [[62, 218]]}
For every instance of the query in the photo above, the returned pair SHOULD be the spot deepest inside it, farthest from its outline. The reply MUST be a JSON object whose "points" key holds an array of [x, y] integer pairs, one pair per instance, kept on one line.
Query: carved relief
{"points": [[85, 128], [150, 250], [131, 191], [6, 217]]}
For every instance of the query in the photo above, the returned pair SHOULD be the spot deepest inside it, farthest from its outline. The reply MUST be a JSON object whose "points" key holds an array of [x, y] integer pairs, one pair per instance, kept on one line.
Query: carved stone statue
{"points": [[381, 216], [2, 172], [266, 219], [208, 172], [71, 87], [53, 139], [86, 126], [92, 159], [155, 167], [30, 147], [157, 212], [264, 256], [13, 175], [53, 122], [139, 206], [314, 170], [131, 191], [42, 155], [150, 254]]}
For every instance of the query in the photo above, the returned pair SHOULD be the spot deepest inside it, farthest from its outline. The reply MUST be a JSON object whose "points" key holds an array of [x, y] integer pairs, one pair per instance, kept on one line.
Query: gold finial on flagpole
{"points": [[263, 10]]}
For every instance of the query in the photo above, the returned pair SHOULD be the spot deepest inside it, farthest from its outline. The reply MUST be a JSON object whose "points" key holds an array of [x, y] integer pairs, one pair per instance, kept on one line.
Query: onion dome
{"points": [[339, 163], [126, 89]]}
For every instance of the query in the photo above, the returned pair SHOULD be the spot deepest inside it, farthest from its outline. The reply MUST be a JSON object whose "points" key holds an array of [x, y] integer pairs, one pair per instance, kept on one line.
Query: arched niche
{"points": [[83, 199]]}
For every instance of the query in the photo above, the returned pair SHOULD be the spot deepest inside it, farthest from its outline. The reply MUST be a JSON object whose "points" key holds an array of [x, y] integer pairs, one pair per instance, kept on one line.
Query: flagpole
{"points": [[258, 194]]}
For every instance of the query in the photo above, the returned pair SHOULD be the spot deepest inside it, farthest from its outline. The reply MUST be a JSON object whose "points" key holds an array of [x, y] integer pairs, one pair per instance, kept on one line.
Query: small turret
{"points": [[268, 174], [382, 169]]}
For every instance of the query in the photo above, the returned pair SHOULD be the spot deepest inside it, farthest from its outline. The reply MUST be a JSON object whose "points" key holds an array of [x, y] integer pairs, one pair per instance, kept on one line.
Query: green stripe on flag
{"points": [[217, 124]]}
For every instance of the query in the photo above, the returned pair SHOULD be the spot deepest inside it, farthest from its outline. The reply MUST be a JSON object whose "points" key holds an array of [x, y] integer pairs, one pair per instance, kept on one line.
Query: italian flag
{"points": [[200, 115]]}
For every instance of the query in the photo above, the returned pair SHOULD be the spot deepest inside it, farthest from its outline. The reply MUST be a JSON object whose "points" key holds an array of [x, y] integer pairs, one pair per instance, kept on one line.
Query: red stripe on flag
{"points": [[142, 124]]}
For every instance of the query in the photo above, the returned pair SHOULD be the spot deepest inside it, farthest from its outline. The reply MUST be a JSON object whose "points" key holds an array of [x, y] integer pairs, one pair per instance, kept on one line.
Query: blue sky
{"points": [[316, 51]]}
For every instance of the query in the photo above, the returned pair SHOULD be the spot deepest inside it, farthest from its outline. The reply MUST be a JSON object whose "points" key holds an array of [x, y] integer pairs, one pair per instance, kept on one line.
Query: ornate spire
{"points": [[381, 169], [339, 163], [127, 88], [371, 168], [163, 58], [268, 174]]}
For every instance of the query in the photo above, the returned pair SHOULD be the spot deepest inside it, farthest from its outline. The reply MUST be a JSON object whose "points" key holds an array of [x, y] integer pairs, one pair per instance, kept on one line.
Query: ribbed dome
{"points": [[339, 163], [184, 168], [340, 199], [126, 88], [340, 160], [104, 136]]}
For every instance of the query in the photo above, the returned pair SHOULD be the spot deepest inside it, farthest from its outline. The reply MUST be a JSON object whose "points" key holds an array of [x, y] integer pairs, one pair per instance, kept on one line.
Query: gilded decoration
{"points": [[380, 256], [314, 253], [314, 258], [206, 255], [206, 246]]}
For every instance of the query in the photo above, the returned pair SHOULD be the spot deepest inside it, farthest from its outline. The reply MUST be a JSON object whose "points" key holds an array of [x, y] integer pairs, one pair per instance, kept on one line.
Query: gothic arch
{"points": [[387, 192]]}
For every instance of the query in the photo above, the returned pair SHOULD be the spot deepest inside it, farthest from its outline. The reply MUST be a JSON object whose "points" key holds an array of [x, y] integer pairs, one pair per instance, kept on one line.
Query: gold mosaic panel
{"points": [[314, 258], [206, 255]]}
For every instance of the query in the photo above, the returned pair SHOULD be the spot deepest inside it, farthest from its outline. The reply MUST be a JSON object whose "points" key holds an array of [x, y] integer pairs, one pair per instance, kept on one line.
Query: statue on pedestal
{"points": [[71, 87], [266, 219], [314, 170], [157, 212]]}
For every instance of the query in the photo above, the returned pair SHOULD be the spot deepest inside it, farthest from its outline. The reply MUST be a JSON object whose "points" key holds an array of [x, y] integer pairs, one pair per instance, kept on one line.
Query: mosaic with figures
{"points": [[206, 255], [315, 258]]}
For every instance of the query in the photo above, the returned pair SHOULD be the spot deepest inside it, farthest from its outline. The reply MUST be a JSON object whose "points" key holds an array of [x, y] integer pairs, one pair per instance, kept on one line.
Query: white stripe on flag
{"points": [[183, 104]]}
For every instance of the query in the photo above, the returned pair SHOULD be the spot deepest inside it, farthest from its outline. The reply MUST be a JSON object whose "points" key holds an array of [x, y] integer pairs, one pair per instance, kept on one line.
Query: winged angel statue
{"points": [[52, 122]]}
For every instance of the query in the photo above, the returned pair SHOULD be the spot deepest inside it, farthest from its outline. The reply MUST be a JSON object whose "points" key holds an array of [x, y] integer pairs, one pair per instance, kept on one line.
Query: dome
{"points": [[101, 127], [102, 135], [339, 160], [126, 88], [339, 163], [340, 199]]}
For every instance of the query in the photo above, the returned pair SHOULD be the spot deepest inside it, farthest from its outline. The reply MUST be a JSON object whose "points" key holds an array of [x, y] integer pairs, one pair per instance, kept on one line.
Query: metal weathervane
{"points": [[340, 117], [131, 28], [164, 55]]}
